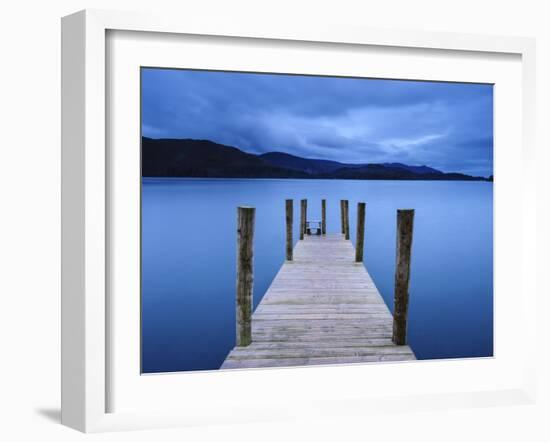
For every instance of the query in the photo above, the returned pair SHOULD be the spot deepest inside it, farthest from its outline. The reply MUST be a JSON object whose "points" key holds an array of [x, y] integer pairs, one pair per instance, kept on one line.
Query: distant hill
{"points": [[307, 165], [204, 158], [415, 169]]}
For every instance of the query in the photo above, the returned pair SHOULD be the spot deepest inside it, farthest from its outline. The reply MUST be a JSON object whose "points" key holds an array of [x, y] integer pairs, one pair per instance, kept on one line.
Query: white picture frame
{"points": [[86, 204]]}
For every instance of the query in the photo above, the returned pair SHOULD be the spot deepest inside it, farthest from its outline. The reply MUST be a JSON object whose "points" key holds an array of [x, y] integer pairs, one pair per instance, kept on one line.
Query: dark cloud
{"points": [[444, 125]]}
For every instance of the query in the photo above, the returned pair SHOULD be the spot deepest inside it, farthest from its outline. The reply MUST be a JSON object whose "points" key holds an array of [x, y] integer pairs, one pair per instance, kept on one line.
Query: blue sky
{"points": [[448, 126]]}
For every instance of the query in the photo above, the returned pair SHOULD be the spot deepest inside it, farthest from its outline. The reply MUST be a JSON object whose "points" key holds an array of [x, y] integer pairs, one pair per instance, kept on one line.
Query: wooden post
{"points": [[323, 217], [346, 218], [405, 220], [360, 238], [342, 217], [245, 274], [302, 218], [289, 222], [305, 215]]}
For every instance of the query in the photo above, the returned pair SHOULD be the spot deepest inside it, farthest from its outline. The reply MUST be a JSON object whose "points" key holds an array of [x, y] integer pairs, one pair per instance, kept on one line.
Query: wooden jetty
{"points": [[322, 307]]}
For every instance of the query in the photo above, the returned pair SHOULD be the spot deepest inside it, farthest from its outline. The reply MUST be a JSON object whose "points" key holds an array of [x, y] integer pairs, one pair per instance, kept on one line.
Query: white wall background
{"points": [[30, 219]]}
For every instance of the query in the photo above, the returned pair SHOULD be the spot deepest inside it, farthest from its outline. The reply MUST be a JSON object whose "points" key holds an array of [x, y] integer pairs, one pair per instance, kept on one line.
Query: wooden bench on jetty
{"points": [[322, 307]]}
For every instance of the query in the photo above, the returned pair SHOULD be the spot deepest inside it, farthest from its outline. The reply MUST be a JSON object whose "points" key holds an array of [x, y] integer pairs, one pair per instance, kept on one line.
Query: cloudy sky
{"points": [[448, 126]]}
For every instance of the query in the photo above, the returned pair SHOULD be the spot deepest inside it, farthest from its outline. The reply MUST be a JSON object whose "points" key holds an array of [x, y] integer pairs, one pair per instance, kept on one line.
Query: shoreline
{"points": [[301, 179]]}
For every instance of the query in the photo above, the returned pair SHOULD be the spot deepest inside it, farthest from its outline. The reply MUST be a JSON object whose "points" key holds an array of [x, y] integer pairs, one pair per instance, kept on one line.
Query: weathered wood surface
{"points": [[303, 217], [342, 222], [323, 217], [405, 220], [360, 235], [289, 206], [322, 308], [346, 219], [245, 273]]}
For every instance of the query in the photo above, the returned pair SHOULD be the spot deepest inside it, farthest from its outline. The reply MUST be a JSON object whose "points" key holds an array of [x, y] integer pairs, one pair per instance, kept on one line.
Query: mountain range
{"points": [[204, 158]]}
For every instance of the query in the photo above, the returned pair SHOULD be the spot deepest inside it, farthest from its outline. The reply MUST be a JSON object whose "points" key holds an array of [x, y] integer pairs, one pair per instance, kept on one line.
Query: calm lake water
{"points": [[188, 260]]}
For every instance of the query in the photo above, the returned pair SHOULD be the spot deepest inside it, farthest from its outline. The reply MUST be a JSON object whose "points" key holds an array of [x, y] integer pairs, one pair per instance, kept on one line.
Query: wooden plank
{"points": [[321, 308], [292, 362], [373, 342], [268, 310], [322, 316], [313, 352], [318, 337]]}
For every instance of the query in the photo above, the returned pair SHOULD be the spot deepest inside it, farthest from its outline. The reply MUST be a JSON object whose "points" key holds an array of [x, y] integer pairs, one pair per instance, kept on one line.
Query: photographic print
{"points": [[298, 220]]}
